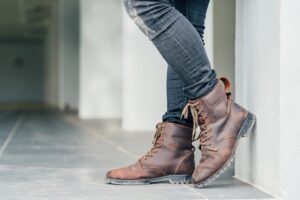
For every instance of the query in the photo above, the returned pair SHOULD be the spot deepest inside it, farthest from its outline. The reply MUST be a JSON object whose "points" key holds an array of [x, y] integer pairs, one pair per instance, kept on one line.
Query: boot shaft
{"points": [[171, 155], [176, 137], [218, 116], [175, 148]]}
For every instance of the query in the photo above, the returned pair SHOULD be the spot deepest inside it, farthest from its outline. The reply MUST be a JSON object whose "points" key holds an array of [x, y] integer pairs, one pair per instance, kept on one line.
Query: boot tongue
{"points": [[199, 114], [191, 106]]}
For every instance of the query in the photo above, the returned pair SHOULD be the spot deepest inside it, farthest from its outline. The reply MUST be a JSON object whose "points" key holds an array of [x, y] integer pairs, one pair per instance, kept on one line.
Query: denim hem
{"points": [[202, 87], [176, 118], [177, 121]]}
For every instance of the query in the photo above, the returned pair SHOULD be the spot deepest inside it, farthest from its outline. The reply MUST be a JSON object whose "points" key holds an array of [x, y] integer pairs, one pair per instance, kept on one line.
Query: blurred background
{"points": [[87, 60], [39, 47]]}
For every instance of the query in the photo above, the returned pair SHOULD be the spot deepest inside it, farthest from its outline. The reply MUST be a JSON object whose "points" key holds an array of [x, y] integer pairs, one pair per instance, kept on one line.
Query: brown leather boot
{"points": [[170, 160], [222, 123]]}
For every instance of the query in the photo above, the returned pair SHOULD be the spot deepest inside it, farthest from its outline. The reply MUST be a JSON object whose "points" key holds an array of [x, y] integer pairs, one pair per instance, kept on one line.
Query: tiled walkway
{"points": [[47, 155]]}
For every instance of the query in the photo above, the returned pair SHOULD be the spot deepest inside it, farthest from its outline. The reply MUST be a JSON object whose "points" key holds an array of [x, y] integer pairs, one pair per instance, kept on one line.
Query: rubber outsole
{"points": [[173, 179], [245, 131]]}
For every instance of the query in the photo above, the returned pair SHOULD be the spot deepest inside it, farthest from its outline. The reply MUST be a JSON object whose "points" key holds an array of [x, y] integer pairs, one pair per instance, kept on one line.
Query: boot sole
{"points": [[245, 131], [172, 179]]}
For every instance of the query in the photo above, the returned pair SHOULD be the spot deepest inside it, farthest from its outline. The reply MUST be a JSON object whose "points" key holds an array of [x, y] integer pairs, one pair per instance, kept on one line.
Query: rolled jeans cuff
{"points": [[202, 87]]}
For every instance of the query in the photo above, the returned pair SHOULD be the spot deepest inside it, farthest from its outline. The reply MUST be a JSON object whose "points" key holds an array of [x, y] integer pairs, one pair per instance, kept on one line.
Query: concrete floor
{"points": [[48, 155]]}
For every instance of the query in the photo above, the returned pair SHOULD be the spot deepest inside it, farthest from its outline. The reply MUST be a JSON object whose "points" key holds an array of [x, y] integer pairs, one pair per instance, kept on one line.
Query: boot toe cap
{"points": [[114, 174], [110, 174], [202, 174], [128, 173]]}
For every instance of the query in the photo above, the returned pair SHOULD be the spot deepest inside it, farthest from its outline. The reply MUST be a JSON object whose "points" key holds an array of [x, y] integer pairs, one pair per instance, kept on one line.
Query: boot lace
{"points": [[157, 141], [198, 113]]}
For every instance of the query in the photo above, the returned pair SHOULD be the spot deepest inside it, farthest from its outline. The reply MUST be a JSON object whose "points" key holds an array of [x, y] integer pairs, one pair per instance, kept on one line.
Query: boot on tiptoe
{"points": [[222, 123], [170, 160]]}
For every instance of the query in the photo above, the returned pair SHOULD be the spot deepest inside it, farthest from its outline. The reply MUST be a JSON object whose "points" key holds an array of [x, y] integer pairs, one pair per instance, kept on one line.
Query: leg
{"points": [[178, 42], [177, 98], [222, 122], [172, 156]]}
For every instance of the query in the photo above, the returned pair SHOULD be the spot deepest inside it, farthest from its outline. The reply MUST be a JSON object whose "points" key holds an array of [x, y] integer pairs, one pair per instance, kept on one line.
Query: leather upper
{"points": [[171, 154], [220, 121]]}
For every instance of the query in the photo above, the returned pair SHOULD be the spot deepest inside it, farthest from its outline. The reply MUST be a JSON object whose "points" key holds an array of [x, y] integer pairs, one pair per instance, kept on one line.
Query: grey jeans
{"points": [[176, 29]]}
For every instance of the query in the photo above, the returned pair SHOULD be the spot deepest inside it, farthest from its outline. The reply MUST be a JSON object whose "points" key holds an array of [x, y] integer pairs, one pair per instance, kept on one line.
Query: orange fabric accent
{"points": [[227, 85]]}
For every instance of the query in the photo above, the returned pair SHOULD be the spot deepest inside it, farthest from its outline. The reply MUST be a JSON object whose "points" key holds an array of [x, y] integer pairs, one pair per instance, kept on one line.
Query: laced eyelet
{"points": [[198, 114], [157, 141]]}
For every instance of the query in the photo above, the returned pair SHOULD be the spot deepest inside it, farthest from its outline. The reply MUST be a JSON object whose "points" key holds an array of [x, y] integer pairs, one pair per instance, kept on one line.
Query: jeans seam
{"points": [[156, 21], [167, 31]]}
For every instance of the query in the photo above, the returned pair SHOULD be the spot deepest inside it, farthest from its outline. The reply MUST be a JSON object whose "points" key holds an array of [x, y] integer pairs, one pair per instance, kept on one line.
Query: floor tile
{"points": [[56, 156]]}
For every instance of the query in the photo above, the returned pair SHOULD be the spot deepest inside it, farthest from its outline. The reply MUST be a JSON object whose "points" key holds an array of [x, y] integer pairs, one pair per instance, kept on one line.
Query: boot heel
{"points": [[248, 125], [180, 179]]}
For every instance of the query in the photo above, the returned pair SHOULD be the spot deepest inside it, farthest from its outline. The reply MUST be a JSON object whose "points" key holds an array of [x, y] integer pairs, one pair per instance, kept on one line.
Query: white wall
{"points": [[21, 83], [51, 60], [224, 39], [100, 59], [209, 32], [289, 99], [267, 72], [62, 56], [68, 35]]}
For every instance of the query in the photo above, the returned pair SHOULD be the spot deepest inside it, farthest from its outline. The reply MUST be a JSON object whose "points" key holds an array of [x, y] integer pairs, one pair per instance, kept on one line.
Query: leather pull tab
{"points": [[227, 85]]}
